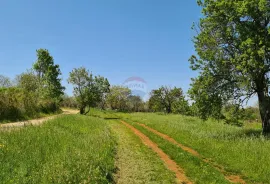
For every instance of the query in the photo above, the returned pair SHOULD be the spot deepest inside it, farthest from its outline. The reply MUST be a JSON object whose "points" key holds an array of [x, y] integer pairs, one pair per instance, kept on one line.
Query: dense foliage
{"points": [[232, 46], [88, 89], [120, 98], [170, 100], [69, 102], [32, 93]]}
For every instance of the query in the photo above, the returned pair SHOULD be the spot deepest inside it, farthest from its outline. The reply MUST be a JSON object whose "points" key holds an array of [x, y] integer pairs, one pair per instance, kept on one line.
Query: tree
{"points": [[44, 61], [117, 99], [233, 113], [135, 103], [165, 98], [28, 81], [30, 97], [181, 106], [154, 104], [251, 114], [5, 82], [88, 89], [48, 75], [206, 104], [69, 101], [232, 46]]}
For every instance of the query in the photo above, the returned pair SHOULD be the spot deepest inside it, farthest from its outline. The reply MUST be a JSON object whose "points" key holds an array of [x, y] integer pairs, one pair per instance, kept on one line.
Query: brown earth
{"points": [[171, 165], [36, 121], [231, 178]]}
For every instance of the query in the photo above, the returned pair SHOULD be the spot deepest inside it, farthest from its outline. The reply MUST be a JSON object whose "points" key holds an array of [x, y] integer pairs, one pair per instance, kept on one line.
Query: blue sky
{"points": [[117, 39]]}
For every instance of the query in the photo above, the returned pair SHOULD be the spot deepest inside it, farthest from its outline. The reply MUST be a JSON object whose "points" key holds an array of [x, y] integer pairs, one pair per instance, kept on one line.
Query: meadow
{"points": [[200, 115], [78, 149], [236, 151], [98, 148], [68, 149], [240, 150]]}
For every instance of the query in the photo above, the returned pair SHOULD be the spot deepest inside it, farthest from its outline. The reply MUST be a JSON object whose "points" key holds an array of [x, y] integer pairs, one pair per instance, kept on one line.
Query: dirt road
{"points": [[171, 165], [230, 177], [36, 121]]}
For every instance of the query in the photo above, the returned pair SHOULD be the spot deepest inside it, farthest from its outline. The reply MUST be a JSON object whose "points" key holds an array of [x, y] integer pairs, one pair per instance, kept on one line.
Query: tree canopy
{"points": [[48, 75], [168, 99], [5, 82], [34, 92], [233, 55], [117, 99], [88, 89]]}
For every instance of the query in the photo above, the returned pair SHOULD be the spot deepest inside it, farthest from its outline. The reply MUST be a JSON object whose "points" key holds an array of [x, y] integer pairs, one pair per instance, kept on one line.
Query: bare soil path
{"points": [[136, 163], [36, 121], [230, 177], [171, 165]]}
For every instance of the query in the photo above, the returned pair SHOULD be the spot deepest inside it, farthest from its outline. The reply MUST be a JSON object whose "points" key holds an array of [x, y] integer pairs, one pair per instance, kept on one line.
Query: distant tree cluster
{"points": [[69, 102], [121, 99], [36, 91], [96, 92], [169, 100]]}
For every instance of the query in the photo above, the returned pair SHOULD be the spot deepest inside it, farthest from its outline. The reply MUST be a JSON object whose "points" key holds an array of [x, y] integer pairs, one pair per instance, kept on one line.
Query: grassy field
{"points": [[70, 149], [240, 150], [99, 149], [79, 149]]}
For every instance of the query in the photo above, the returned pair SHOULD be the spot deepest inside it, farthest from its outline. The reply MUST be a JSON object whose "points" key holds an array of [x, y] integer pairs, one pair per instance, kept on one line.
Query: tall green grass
{"points": [[240, 150], [105, 114], [69, 149]]}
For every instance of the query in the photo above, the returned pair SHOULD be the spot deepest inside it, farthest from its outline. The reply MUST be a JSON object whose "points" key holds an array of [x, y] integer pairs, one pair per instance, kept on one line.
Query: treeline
{"points": [[96, 91], [39, 91], [33, 93]]}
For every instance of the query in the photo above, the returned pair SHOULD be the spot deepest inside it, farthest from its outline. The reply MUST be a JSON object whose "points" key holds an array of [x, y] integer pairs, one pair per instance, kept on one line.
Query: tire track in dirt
{"points": [[179, 172], [230, 177]]}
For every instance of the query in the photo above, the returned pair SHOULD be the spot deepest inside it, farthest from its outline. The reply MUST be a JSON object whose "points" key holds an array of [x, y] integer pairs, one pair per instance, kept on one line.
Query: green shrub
{"points": [[19, 104]]}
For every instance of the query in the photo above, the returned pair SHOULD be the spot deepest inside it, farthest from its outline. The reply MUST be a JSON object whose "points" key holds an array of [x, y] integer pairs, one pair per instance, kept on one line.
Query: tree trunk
{"points": [[264, 107], [169, 109], [82, 109], [87, 110]]}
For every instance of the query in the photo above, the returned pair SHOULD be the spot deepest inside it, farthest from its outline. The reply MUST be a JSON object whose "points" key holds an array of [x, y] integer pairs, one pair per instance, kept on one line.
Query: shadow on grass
{"points": [[253, 133], [243, 134], [257, 133], [111, 118], [102, 117]]}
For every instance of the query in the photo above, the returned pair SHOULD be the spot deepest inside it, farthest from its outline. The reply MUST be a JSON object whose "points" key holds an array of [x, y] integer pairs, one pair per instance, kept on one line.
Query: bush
{"points": [[69, 102], [11, 107], [19, 104]]}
